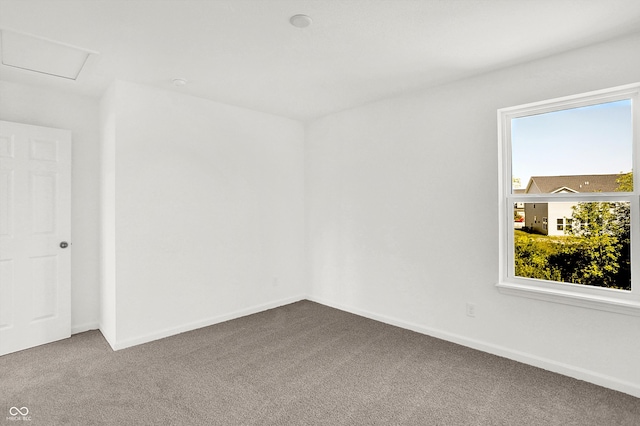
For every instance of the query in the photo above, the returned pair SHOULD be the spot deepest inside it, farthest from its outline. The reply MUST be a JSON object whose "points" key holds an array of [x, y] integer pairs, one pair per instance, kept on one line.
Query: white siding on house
{"points": [[533, 213], [558, 211]]}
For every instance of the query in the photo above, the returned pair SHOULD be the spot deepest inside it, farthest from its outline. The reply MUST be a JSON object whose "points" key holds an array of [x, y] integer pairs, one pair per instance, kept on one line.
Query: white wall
{"points": [[36, 106], [388, 185], [107, 215], [208, 210], [203, 207]]}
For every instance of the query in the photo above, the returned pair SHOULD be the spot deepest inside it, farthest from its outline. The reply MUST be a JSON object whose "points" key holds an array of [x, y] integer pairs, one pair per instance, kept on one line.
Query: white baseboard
{"points": [[536, 361], [81, 328], [160, 334]]}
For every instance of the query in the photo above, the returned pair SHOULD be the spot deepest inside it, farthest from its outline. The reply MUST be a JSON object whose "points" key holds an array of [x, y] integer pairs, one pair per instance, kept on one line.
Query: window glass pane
{"points": [[587, 149], [594, 250]]}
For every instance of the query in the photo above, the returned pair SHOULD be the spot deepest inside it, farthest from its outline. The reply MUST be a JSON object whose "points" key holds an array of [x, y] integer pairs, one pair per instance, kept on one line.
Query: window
{"points": [[564, 224], [575, 156]]}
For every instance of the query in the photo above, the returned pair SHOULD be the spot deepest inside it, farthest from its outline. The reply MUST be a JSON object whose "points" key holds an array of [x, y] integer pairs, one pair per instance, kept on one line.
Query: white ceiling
{"points": [[245, 52]]}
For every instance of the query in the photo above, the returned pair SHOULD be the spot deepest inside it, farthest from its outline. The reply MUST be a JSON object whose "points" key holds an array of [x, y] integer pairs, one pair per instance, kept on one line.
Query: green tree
{"points": [[625, 182], [623, 215], [532, 259], [603, 254], [600, 246]]}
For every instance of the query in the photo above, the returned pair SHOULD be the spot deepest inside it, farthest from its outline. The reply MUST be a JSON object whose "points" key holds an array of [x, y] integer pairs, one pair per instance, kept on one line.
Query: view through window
{"points": [[571, 190]]}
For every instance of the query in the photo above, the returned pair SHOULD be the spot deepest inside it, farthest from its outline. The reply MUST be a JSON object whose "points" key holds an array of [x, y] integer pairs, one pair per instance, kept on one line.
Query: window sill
{"points": [[602, 303]]}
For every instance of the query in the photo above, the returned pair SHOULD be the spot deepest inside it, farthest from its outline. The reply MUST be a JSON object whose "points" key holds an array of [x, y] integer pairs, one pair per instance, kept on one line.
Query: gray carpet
{"points": [[300, 364]]}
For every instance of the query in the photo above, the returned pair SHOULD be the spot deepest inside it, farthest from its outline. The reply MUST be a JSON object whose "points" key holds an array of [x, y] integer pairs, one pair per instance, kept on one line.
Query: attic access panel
{"points": [[41, 55]]}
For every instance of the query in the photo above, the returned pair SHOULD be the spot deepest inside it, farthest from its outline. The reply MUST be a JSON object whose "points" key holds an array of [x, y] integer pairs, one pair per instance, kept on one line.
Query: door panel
{"points": [[6, 290], [42, 187], [35, 212], [6, 202]]}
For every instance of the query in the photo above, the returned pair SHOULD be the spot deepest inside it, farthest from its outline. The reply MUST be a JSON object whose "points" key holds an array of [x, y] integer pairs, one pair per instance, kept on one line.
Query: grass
{"points": [[561, 239]]}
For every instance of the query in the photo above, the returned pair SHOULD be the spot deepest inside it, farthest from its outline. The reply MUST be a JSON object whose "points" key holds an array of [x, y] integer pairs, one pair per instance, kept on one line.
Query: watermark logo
{"points": [[19, 414]]}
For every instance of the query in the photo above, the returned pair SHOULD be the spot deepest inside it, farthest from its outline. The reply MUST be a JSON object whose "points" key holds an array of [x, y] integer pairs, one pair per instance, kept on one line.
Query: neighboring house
{"points": [[518, 211], [555, 218]]}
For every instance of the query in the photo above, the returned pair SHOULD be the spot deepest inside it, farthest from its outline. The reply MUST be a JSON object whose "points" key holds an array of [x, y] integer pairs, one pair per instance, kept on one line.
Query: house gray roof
{"points": [[574, 183]]}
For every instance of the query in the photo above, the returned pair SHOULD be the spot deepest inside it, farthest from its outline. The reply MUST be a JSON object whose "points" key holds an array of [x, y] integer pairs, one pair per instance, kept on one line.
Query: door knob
{"points": [[64, 244]]}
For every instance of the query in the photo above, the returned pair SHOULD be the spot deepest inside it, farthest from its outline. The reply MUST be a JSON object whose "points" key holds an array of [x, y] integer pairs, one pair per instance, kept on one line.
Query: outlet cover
{"points": [[471, 310]]}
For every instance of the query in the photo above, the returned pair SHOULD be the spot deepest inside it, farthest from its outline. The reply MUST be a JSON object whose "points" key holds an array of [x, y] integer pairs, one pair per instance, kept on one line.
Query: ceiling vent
{"points": [[42, 55]]}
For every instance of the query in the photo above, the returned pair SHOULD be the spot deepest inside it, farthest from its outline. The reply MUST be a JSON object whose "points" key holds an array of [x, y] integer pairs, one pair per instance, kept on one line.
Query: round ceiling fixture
{"points": [[300, 21], [179, 82]]}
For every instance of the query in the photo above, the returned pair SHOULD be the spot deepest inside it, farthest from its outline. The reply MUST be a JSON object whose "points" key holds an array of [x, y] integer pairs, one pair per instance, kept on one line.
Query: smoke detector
{"points": [[300, 21]]}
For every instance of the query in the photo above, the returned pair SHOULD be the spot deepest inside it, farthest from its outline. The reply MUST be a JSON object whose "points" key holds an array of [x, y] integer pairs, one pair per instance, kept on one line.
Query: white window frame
{"points": [[619, 301]]}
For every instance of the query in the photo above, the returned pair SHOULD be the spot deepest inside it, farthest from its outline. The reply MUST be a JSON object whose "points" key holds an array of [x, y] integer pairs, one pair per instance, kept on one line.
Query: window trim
{"points": [[612, 300]]}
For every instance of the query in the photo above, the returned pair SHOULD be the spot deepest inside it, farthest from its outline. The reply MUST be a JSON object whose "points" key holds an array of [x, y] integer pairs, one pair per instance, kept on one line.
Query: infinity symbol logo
{"points": [[14, 411]]}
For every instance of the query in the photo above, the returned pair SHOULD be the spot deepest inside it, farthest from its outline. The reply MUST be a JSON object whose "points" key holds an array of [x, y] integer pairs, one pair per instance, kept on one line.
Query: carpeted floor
{"points": [[300, 364]]}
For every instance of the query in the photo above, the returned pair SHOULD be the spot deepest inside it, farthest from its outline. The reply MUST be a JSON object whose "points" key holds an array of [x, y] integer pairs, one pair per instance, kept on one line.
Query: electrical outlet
{"points": [[471, 310]]}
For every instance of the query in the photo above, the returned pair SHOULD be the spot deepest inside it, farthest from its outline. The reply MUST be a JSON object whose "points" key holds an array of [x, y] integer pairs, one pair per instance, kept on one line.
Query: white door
{"points": [[35, 220]]}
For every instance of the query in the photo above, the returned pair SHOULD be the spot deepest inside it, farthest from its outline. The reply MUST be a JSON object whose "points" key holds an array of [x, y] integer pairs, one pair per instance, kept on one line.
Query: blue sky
{"points": [[590, 140]]}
